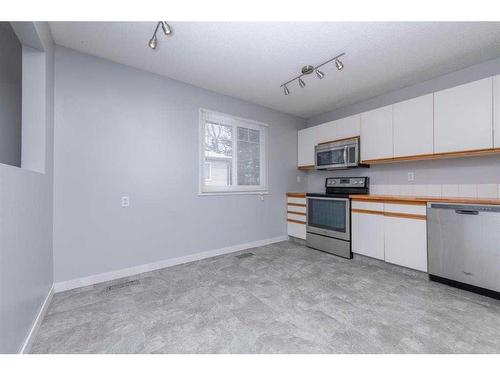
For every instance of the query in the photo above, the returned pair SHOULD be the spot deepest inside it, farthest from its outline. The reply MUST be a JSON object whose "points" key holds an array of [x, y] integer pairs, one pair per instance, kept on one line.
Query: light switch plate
{"points": [[125, 201]]}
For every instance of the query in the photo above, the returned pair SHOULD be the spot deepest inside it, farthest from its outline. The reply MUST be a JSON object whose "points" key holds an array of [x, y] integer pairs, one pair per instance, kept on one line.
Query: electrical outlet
{"points": [[125, 201], [299, 179], [411, 176]]}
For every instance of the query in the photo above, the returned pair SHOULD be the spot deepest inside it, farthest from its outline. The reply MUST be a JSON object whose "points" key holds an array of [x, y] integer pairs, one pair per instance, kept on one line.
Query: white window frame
{"points": [[234, 121]]}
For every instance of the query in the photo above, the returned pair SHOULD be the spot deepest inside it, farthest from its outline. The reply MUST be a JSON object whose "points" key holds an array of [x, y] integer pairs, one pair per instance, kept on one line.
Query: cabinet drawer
{"points": [[296, 200], [297, 217], [363, 205], [295, 209], [410, 209]]}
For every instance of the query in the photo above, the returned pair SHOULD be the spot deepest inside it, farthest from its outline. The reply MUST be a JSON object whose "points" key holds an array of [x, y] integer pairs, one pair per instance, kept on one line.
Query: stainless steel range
{"points": [[329, 215]]}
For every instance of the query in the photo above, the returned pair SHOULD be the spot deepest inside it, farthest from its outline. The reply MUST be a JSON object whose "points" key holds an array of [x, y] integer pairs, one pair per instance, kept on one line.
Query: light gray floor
{"points": [[285, 299]]}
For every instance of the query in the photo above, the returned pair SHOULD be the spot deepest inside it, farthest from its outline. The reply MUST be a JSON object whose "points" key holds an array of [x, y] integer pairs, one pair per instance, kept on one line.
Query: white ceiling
{"points": [[251, 60]]}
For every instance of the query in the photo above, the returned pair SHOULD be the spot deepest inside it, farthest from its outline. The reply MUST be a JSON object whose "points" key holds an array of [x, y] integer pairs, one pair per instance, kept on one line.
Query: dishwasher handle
{"points": [[467, 212], [465, 209]]}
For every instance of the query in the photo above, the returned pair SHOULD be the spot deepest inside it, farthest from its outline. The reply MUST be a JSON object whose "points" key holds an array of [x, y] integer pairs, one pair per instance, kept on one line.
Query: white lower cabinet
{"points": [[297, 230], [406, 242], [296, 217], [396, 233], [367, 229], [368, 235]]}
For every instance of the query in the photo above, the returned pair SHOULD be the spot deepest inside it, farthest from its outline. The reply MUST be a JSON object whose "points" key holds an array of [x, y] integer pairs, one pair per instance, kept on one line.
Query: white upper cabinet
{"points": [[348, 127], [496, 106], [326, 132], [463, 117], [414, 126], [306, 142], [339, 129], [376, 134]]}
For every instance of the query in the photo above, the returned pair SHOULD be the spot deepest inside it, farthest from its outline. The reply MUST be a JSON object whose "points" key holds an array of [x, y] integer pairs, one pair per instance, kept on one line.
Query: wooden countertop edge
{"points": [[403, 199], [296, 195]]}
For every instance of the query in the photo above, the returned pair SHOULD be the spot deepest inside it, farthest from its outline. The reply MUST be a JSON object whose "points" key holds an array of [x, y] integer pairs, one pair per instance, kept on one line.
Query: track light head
{"points": [[302, 84], [339, 64], [153, 42], [285, 90], [167, 30], [319, 74]]}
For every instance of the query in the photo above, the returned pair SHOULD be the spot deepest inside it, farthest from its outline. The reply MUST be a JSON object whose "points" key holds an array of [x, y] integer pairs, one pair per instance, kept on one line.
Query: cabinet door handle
{"points": [[467, 212]]}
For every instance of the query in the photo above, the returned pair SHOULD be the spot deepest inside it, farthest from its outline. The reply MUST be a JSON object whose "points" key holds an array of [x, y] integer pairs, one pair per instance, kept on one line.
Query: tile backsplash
{"points": [[436, 190]]}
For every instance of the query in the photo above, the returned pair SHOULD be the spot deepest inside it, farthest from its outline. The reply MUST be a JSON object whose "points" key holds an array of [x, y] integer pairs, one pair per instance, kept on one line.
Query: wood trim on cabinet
{"points": [[413, 200], [296, 221], [405, 216], [362, 211], [440, 155], [389, 214], [296, 195], [296, 204], [306, 167], [338, 140], [392, 201], [296, 213], [402, 201]]}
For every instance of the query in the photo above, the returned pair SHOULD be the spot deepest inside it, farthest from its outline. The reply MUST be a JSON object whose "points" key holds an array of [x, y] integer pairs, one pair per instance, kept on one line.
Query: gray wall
{"points": [[10, 96], [26, 258], [469, 170], [128, 132]]}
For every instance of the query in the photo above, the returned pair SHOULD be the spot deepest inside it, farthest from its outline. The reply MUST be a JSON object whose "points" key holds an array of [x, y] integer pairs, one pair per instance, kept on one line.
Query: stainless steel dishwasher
{"points": [[463, 245]]}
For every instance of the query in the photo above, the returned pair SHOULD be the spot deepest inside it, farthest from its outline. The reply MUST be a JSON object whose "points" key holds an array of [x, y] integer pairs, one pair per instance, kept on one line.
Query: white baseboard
{"points": [[112, 275], [26, 347]]}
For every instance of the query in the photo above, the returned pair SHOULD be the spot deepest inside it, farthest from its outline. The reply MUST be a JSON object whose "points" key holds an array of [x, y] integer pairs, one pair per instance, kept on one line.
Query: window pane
{"points": [[208, 171], [243, 134], [10, 96], [248, 160], [219, 153]]}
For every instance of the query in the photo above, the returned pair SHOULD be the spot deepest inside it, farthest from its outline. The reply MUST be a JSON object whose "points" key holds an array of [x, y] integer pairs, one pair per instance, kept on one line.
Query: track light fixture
{"points": [[153, 42], [339, 64], [167, 30], [308, 69]]}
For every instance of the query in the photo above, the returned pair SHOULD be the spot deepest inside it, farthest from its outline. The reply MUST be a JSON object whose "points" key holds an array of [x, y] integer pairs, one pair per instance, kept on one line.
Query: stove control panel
{"points": [[347, 182]]}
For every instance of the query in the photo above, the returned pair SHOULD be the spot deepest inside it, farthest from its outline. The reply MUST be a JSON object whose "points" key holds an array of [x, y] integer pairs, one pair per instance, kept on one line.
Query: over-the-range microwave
{"points": [[340, 154]]}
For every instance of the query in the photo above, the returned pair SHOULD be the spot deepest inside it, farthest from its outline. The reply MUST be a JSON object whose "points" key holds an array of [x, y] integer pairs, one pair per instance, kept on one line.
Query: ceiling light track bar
{"points": [[308, 69]]}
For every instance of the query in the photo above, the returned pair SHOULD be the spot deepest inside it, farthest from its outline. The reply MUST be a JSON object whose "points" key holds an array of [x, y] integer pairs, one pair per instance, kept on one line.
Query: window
{"points": [[233, 154], [10, 96]]}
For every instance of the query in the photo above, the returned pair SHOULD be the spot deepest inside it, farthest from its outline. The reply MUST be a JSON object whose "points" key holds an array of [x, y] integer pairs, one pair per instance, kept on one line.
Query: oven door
{"points": [[332, 157], [329, 217]]}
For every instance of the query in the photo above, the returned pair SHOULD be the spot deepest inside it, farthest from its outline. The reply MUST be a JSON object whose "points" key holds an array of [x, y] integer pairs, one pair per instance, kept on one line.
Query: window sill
{"points": [[234, 193]]}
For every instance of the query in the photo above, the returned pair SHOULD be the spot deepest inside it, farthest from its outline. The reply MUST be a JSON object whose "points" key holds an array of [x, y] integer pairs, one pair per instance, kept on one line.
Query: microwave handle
{"points": [[345, 156]]}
